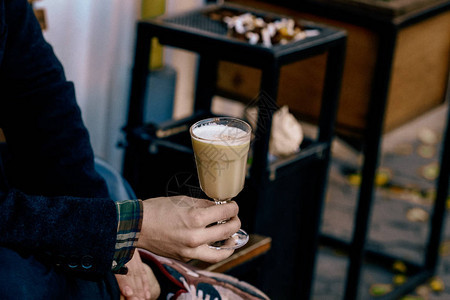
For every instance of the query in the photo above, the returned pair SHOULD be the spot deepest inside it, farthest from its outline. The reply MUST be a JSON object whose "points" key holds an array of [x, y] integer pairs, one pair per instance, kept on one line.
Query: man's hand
{"points": [[177, 227], [139, 282]]}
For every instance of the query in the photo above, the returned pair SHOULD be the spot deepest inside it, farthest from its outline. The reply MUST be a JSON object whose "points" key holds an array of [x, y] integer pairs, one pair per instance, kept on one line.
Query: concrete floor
{"points": [[400, 214]]}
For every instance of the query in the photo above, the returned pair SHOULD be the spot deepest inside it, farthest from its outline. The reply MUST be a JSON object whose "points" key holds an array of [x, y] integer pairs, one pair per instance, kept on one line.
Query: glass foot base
{"points": [[236, 241]]}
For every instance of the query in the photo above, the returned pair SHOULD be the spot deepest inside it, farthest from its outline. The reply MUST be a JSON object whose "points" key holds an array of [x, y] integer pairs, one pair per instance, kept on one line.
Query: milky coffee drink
{"points": [[221, 156]]}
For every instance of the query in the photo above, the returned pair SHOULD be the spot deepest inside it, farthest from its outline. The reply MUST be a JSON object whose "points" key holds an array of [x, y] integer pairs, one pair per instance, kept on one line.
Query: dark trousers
{"points": [[23, 276]]}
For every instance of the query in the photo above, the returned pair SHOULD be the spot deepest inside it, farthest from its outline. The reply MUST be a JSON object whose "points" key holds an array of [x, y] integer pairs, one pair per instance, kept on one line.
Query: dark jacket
{"points": [[52, 202]]}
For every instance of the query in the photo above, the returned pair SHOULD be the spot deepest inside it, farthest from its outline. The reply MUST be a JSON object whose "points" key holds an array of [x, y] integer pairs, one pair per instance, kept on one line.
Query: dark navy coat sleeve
{"points": [[52, 201]]}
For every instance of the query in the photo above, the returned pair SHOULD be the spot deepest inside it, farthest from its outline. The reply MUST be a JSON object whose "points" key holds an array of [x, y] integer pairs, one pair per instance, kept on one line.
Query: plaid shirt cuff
{"points": [[129, 214]]}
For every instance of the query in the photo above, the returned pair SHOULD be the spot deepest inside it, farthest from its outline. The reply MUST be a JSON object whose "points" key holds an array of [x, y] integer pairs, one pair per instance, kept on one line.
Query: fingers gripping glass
{"points": [[221, 148]]}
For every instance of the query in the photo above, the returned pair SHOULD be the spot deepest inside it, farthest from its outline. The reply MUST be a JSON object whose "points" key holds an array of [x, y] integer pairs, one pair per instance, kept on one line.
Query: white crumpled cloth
{"points": [[286, 133]]}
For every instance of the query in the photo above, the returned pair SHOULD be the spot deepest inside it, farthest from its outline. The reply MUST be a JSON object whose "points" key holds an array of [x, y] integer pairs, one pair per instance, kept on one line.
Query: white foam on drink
{"points": [[221, 134]]}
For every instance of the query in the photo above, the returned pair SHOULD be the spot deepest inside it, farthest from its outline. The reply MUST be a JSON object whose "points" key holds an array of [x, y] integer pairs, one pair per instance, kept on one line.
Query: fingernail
{"points": [[147, 295]]}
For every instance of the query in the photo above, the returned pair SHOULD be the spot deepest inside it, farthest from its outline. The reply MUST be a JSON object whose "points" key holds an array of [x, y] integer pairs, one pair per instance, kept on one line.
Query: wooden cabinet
{"points": [[418, 77]]}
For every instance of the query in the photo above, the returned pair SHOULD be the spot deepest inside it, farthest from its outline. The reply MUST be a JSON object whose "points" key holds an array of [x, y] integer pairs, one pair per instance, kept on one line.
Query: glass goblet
{"points": [[221, 148]]}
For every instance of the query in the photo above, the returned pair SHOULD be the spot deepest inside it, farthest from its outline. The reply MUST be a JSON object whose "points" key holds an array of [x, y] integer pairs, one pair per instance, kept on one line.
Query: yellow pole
{"points": [[150, 9]]}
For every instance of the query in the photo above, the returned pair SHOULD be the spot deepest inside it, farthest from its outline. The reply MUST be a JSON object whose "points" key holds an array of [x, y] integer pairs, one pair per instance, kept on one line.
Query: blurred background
{"points": [[95, 40]]}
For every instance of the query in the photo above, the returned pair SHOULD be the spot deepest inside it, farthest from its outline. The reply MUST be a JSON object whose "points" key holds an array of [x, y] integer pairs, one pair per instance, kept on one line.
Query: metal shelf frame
{"points": [[213, 44], [388, 29]]}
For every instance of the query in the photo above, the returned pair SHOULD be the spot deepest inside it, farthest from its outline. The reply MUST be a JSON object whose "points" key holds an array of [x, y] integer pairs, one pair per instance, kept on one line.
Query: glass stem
{"points": [[220, 202], [224, 201]]}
